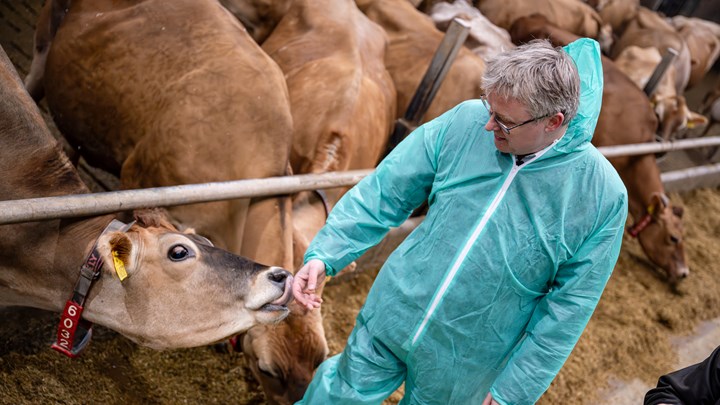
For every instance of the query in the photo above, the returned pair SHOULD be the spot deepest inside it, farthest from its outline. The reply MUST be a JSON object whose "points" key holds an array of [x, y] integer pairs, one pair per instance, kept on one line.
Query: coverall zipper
{"points": [[473, 237]]}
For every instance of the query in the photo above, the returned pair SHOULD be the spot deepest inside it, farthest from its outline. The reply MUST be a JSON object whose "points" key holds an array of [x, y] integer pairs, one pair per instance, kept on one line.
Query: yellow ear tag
{"points": [[651, 209], [119, 266], [690, 125]]}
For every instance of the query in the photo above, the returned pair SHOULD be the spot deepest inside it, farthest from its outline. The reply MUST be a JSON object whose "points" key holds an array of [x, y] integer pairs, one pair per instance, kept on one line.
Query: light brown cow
{"points": [[413, 42], [571, 15], [648, 29], [177, 92], [670, 107], [180, 291], [165, 93], [703, 40], [343, 105], [617, 13], [626, 117]]}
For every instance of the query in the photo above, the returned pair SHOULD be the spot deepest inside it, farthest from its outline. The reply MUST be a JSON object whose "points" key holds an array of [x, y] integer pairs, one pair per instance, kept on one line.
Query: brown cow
{"points": [[413, 42], [626, 117], [571, 15], [165, 93], [703, 41], [177, 92], [180, 291], [617, 13], [649, 29], [259, 16], [343, 105], [670, 107]]}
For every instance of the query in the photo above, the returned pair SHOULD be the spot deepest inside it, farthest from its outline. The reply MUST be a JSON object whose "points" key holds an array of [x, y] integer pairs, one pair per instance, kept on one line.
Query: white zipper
{"points": [[473, 237]]}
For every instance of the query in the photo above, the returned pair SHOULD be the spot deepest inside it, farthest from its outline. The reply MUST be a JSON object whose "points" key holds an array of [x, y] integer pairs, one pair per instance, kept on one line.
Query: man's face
{"points": [[530, 134]]}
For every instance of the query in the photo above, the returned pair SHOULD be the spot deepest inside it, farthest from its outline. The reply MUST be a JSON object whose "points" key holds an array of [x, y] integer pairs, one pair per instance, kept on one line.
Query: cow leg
{"points": [[268, 232]]}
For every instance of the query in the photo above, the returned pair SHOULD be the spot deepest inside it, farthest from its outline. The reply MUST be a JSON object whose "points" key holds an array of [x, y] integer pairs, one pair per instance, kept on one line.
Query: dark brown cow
{"points": [[627, 117], [180, 291], [343, 104], [413, 42]]}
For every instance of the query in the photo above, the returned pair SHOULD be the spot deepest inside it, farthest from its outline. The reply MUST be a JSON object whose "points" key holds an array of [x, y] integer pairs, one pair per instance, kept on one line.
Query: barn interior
{"points": [[642, 328]]}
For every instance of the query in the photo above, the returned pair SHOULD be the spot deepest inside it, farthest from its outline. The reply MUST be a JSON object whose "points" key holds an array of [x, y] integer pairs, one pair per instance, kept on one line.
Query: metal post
{"points": [[659, 71], [439, 66]]}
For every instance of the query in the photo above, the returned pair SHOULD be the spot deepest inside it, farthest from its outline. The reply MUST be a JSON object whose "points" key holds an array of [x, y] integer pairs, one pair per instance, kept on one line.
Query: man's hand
{"points": [[489, 400], [305, 283]]}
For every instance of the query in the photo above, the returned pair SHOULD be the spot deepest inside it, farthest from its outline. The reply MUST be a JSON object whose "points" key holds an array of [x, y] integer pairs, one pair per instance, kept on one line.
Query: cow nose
{"points": [[278, 276]]}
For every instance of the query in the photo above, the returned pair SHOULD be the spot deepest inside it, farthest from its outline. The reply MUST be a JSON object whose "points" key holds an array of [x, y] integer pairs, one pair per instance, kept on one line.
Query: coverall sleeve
{"points": [[696, 384], [562, 314], [383, 199]]}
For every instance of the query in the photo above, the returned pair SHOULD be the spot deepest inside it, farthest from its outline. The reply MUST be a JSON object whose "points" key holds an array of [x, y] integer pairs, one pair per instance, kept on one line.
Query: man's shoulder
{"points": [[606, 174]]}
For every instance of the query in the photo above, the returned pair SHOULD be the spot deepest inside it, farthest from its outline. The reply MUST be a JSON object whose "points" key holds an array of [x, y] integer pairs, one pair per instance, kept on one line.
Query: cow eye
{"points": [[674, 239], [179, 252]]}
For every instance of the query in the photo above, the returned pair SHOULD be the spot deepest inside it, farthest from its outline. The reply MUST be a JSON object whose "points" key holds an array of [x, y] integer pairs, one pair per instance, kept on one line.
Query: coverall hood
{"points": [[492, 290]]}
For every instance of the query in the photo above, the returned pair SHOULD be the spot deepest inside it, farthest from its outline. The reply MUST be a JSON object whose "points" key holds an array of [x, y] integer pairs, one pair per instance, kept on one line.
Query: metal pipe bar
{"points": [[657, 147], [79, 205], [689, 173]]}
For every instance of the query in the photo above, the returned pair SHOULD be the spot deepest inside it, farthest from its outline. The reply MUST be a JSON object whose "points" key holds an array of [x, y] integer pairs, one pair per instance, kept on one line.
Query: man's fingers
{"points": [[313, 272], [305, 284]]}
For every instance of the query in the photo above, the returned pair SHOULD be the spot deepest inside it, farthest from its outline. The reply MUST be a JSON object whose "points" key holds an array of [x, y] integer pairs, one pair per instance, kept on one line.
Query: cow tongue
{"points": [[287, 296]]}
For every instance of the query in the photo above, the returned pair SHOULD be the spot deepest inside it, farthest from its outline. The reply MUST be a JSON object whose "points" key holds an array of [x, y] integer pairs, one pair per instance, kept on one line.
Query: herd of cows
{"points": [[163, 93]]}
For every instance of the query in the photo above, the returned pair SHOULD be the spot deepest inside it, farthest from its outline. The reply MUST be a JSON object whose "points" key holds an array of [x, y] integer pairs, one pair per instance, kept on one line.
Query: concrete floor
{"points": [[691, 349]]}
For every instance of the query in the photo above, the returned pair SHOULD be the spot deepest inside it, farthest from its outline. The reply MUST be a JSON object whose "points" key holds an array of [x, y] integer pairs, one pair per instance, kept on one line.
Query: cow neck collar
{"points": [[640, 225], [67, 342]]}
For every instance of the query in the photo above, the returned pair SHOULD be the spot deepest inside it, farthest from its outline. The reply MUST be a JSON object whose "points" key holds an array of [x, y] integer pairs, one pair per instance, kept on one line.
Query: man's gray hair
{"points": [[541, 77]]}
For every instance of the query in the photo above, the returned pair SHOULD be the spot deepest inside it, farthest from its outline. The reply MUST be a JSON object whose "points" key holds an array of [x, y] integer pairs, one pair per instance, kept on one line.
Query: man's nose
{"points": [[491, 125]]}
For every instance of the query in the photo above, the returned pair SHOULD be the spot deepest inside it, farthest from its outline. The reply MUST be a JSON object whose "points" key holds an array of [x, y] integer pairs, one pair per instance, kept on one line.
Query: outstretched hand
{"points": [[306, 281]]}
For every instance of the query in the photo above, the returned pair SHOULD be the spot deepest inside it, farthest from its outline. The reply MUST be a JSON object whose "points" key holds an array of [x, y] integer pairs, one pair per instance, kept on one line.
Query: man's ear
{"points": [[556, 121], [117, 250]]}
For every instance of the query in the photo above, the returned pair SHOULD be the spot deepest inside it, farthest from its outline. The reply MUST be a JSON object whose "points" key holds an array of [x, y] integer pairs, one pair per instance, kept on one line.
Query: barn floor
{"points": [[641, 328]]}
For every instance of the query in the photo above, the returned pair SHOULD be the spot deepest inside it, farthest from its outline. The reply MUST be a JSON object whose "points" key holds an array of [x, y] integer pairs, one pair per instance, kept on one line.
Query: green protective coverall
{"points": [[491, 292]]}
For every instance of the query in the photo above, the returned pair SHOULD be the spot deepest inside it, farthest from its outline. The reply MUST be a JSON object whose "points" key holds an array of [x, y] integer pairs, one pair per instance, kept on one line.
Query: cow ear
{"points": [[658, 202], [117, 250], [696, 120]]}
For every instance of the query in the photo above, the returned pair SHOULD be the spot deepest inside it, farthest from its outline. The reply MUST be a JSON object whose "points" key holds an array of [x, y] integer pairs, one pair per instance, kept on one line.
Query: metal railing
{"points": [[78, 205]]}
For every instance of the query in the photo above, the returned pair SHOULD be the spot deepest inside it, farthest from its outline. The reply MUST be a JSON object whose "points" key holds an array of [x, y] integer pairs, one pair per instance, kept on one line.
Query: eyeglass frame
{"points": [[502, 126]]}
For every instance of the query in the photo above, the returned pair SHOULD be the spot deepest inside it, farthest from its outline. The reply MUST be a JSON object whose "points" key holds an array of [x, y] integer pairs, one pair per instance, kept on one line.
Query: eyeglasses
{"points": [[506, 129]]}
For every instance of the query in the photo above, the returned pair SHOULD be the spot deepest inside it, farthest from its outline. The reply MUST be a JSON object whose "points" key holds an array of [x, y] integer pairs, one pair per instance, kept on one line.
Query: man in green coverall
{"points": [[485, 300]]}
